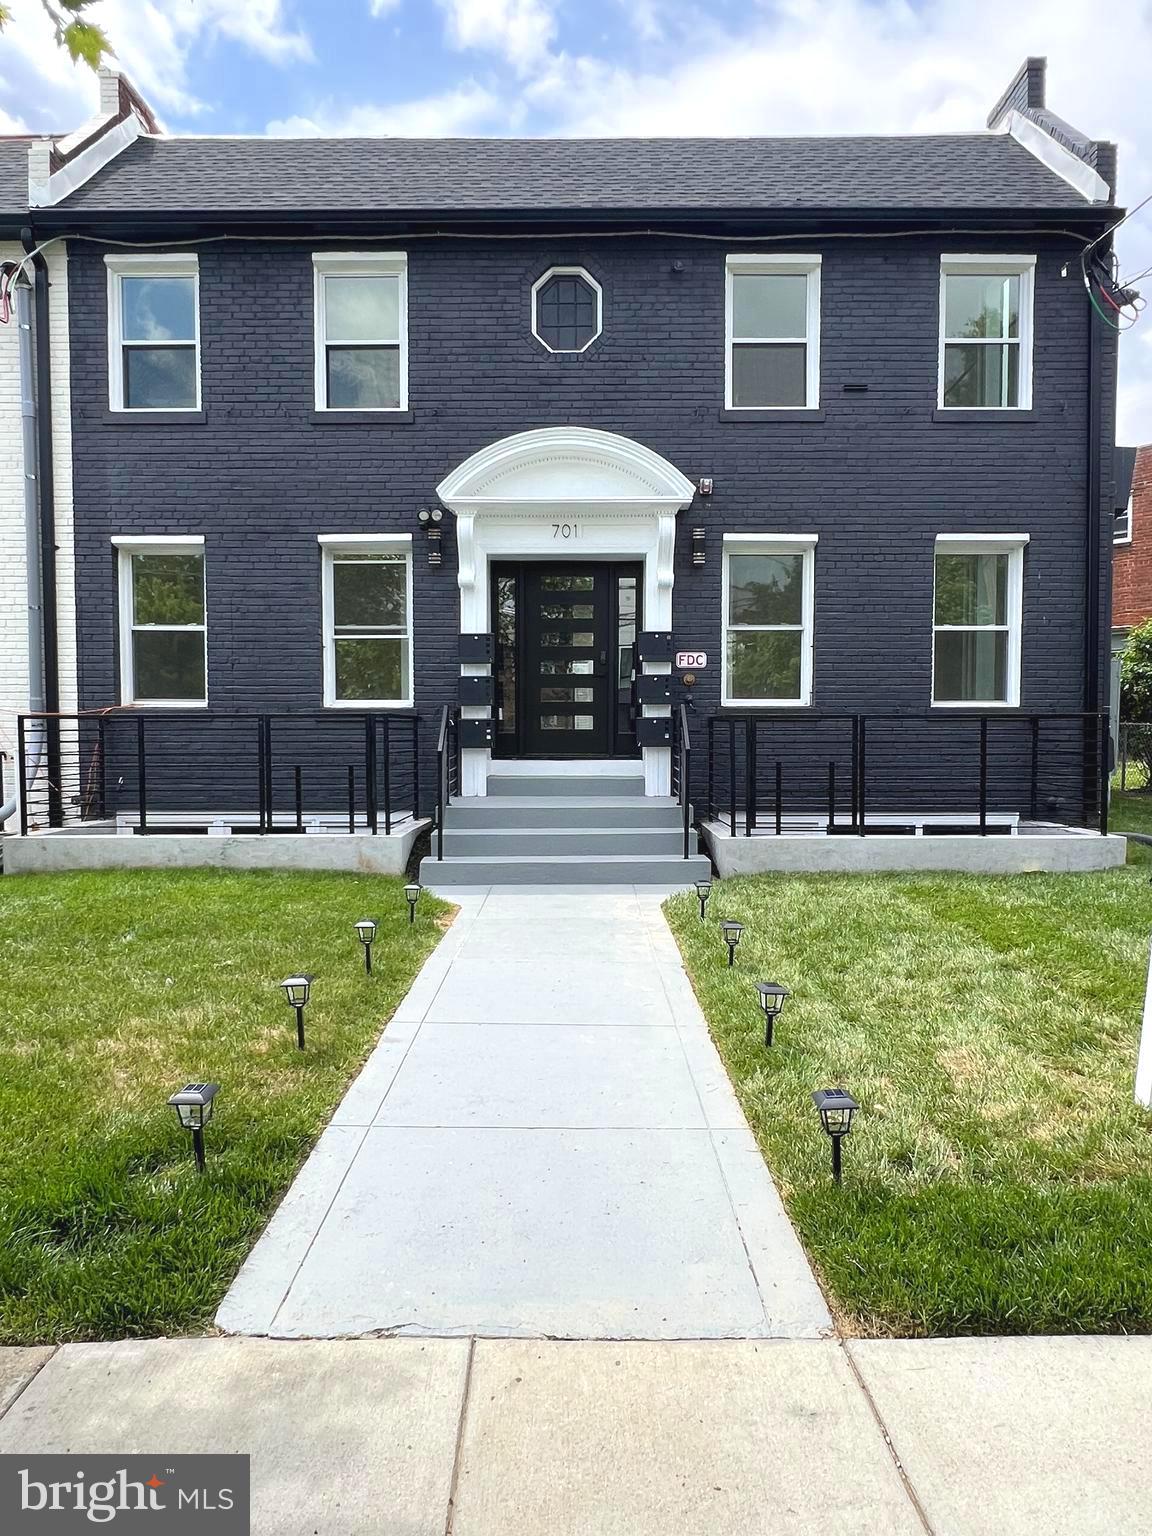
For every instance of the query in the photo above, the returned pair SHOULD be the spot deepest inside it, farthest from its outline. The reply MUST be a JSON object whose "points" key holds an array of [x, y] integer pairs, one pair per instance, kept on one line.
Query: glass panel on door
{"points": [[563, 659]]}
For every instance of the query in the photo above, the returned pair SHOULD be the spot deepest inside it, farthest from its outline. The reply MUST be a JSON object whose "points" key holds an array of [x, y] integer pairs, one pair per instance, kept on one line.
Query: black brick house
{"points": [[561, 435]]}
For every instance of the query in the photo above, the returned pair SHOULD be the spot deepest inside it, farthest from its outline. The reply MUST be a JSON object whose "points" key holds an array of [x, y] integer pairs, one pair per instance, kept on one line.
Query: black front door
{"points": [[563, 659]]}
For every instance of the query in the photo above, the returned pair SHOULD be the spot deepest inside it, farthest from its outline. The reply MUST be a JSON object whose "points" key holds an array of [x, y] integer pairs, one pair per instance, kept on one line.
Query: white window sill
{"points": [[975, 704], [368, 704], [765, 703], [165, 704]]}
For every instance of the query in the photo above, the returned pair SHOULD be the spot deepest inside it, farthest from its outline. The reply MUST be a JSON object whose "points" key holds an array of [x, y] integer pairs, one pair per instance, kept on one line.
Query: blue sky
{"points": [[610, 67]]}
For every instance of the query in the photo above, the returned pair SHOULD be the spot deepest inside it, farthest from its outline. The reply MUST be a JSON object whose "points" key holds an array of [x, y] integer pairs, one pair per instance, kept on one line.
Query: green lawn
{"points": [[115, 990], [999, 1178], [1130, 811]]}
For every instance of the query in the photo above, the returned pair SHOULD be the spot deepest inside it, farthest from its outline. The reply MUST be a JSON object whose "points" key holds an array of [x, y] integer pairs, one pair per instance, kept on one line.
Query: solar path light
{"points": [[297, 990], [366, 933], [836, 1107], [732, 932], [194, 1106], [412, 892], [772, 997], [703, 891]]}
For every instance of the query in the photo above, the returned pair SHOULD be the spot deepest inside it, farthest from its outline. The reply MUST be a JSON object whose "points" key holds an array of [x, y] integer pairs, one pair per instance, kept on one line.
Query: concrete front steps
{"points": [[566, 827]]}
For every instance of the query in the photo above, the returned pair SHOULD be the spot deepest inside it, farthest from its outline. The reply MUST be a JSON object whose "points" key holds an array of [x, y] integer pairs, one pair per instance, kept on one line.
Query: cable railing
{"points": [[860, 774], [190, 772]]}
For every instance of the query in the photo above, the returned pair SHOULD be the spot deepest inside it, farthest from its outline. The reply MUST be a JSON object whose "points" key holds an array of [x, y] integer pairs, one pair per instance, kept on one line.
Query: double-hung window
{"points": [[361, 307], [772, 320], [153, 333], [1122, 524], [986, 332], [367, 613], [163, 631], [767, 618], [977, 619]]}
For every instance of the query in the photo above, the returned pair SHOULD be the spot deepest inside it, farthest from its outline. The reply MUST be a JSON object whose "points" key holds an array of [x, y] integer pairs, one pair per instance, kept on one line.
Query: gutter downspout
{"points": [[1096, 776], [32, 545], [46, 496]]}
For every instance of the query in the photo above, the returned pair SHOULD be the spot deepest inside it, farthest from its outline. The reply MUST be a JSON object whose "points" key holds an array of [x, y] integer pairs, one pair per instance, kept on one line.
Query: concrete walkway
{"points": [[543, 1144], [516, 1437]]}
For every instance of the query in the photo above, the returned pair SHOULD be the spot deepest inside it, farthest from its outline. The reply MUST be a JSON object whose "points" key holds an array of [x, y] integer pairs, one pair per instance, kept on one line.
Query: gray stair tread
{"points": [[565, 802], [563, 858], [562, 832]]}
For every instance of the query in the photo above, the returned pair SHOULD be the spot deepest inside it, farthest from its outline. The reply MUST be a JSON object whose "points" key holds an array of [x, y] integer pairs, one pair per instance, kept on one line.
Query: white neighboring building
{"points": [[35, 172]]}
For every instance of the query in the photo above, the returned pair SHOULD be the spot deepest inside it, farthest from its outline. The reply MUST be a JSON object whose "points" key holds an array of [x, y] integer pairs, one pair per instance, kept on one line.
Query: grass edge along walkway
{"points": [[119, 988], [999, 1178]]}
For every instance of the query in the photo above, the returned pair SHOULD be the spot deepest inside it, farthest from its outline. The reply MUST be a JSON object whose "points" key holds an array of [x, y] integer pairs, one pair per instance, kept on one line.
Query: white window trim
{"points": [[769, 544], [1024, 267], [357, 264], [332, 545], [597, 290], [1129, 515], [127, 545], [1013, 545], [169, 264], [767, 266]]}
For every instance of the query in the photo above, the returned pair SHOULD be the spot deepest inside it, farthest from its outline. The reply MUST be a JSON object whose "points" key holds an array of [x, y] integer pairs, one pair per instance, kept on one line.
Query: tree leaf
{"points": [[85, 40]]}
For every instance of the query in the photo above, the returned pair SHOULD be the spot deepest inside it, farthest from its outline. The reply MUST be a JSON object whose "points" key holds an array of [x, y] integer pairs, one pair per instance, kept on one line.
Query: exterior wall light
{"points": [[703, 891], [430, 519], [194, 1108], [412, 893], [297, 990], [772, 997], [836, 1108], [366, 932], [699, 553], [732, 934]]}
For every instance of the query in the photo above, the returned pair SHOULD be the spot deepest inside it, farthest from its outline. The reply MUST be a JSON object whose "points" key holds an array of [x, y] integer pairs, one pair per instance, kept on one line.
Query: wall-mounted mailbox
{"points": [[475, 649], [476, 690], [475, 733], [653, 690], [654, 733], [655, 645]]}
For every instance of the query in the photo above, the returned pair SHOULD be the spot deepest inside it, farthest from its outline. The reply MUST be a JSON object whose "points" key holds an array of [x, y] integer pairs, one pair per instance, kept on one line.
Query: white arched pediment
{"points": [[573, 466]]}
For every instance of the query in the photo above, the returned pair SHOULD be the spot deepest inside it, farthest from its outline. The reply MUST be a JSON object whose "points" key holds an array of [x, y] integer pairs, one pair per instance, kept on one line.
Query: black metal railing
{"points": [[838, 771], [682, 770], [447, 768], [182, 770]]}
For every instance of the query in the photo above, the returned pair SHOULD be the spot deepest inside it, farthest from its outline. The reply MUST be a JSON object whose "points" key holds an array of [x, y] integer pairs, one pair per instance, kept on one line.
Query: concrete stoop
{"points": [[571, 829]]}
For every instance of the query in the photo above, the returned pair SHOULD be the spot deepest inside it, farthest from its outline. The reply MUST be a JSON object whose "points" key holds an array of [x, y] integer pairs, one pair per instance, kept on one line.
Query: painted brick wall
{"points": [[875, 475], [13, 561], [13, 606], [1132, 563]]}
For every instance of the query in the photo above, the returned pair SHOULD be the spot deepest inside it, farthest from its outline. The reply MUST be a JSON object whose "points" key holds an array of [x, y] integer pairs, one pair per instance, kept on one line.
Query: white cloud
{"points": [[382, 7], [469, 110], [519, 31], [152, 40]]}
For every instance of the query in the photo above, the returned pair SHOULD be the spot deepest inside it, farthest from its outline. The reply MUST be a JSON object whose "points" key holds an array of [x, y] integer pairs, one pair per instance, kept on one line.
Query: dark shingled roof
{"points": [[190, 175], [13, 179]]}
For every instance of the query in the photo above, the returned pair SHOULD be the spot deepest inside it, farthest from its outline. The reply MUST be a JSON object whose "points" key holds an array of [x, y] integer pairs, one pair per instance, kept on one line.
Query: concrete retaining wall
{"points": [[878, 854], [362, 854]]}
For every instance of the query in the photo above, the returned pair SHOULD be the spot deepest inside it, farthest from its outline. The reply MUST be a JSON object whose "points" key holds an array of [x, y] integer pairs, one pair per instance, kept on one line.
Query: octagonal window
{"points": [[566, 306]]}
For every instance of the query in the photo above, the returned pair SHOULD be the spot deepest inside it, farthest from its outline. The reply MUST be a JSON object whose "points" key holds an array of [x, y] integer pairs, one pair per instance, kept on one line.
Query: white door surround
{"points": [[572, 494]]}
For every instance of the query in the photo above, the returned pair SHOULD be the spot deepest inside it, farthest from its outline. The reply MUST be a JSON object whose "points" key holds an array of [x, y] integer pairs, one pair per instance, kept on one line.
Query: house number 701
{"points": [[565, 530]]}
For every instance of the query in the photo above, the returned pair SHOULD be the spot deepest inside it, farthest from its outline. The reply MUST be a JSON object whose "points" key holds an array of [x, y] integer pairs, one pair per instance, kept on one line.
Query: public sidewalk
{"points": [[517, 1437], [543, 1144]]}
